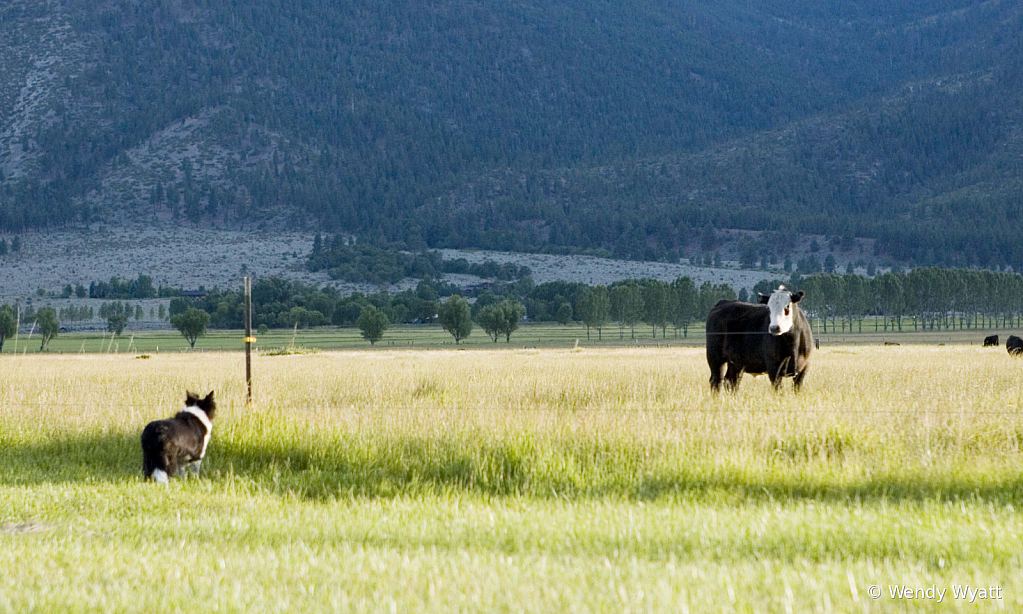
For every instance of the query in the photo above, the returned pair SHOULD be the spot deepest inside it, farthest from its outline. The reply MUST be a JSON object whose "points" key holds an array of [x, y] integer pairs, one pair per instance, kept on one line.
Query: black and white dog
{"points": [[182, 438]]}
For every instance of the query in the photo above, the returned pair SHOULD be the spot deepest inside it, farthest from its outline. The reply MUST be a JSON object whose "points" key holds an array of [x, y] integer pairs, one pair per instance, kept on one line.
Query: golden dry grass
{"points": [[593, 480]]}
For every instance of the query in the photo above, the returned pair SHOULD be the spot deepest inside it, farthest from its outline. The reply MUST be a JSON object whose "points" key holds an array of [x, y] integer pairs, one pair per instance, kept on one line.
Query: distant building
{"points": [[195, 294]]}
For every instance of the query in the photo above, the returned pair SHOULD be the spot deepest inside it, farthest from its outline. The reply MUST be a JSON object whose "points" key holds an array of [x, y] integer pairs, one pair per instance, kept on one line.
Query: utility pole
{"points": [[249, 339]]}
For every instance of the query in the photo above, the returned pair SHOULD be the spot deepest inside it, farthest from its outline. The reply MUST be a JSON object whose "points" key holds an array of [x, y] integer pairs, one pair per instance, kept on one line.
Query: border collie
{"points": [[182, 438]]}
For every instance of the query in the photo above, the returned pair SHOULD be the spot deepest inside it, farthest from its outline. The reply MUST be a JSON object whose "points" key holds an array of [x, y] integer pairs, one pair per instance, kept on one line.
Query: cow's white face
{"points": [[782, 306]]}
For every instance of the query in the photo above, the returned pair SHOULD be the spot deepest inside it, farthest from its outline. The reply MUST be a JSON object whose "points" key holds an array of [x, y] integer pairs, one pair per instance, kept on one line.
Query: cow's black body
{"points": [[1014, 345], [737, 336], [991, 341]]}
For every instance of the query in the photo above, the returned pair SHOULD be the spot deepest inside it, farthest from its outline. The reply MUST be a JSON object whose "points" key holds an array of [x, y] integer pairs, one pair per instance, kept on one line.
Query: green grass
{"points": [[433, 336], [523, 480]]}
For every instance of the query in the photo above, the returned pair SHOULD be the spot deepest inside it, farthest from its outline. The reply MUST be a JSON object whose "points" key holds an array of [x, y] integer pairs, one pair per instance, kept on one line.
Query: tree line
{"points": [[365, 262], [926, 299]]}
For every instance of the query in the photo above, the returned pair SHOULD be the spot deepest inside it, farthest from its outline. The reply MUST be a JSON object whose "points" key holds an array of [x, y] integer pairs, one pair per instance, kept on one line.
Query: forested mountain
{"points": [[642, 128]]}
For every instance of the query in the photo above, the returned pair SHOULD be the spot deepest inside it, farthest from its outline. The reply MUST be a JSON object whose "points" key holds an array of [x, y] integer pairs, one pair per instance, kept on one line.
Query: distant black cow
{"points": [[992, 340], [1014, 345], [772, 337]]}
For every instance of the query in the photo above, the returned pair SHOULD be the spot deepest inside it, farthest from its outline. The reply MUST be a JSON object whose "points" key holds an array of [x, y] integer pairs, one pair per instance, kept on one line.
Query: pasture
{"points": [[597, 479], [424, 336]]}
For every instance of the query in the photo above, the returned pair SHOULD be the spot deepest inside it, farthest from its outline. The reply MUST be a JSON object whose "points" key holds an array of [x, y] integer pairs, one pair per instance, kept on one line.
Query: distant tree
{"points": [[456, 317], [178, 305], [656, 306], [871, 269], [67, 291], [116, 323], [684, 304], [161, 312], [49, 325], [708, 238], [143, 287], [788, 263], [748, 255], [809, 265], [626, 307], [710, 294], [849, 270], [594, 308], [3, 247], [8, 323], [743, 295], [372, 323], [16, 244], [139, 312], [192, 324], [491, 320], [512, 312], [80, 291], [564, 313], [174, 201], [830, 263]]}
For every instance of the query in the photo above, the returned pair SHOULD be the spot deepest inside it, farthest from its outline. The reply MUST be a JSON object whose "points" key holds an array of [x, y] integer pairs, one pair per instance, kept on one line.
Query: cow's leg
{"points": [[777, 372], [715, 360], [732, 377], [715, 372], [797, 381]]}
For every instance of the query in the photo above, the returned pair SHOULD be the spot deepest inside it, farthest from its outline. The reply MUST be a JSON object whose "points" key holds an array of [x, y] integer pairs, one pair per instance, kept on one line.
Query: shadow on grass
{"points": [[580, 470]]}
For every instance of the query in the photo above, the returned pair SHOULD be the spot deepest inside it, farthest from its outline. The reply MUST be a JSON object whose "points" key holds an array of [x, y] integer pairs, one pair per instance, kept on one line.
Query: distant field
{"points": [[603, 479], [421, 336]]}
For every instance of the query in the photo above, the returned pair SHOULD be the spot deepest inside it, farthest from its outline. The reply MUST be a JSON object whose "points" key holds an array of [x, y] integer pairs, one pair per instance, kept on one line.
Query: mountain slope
{"points": [[630, 127]]}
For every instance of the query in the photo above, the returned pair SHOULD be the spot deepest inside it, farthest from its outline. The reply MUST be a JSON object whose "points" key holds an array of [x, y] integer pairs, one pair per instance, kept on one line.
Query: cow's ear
{"points": [[797, 296], [764, 298]]}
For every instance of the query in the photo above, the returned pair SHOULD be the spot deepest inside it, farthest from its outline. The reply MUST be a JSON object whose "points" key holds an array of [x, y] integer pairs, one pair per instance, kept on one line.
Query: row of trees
{"points": [[191, 323], [45, 322], [932, 299], [455, 316], [364, 262]]}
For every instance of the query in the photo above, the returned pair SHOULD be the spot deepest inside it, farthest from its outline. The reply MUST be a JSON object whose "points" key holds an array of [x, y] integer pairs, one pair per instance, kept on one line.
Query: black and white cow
{"points": [[772, 337]]}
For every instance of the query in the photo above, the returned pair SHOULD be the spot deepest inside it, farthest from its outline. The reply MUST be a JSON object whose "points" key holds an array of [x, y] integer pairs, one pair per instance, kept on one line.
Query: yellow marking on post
{"points": [[250, 340]]}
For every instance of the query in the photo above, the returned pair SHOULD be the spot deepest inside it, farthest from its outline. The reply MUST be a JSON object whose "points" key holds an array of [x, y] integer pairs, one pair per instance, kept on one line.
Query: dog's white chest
{"points": [[202, 417]]}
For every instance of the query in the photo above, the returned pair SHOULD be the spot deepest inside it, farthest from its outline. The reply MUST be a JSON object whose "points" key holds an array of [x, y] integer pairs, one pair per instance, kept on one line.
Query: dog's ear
{"points": [[190, 398], [208, 405]]}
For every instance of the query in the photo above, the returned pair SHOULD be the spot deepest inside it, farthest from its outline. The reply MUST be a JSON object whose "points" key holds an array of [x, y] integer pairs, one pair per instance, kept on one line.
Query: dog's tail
{"points": [[153, 469], [154, 463]]}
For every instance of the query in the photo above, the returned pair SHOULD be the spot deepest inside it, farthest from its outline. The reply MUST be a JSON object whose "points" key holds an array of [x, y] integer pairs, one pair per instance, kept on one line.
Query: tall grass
{"points": [[592, 479]]}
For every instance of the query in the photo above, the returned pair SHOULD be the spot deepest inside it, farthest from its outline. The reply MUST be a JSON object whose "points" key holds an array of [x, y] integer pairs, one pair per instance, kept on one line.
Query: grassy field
{"points": [[516, 480], [424, 336]]}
